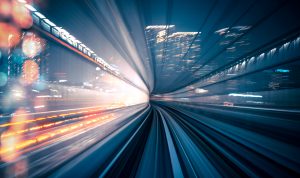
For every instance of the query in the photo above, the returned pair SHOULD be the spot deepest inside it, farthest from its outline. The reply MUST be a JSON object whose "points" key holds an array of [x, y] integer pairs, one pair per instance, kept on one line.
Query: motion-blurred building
{"points": [[171, 50]]}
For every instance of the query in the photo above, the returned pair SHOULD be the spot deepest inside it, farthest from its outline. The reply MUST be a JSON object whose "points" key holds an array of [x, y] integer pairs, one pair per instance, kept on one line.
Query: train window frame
{"points": [[88, 53], [72, 41], [38, 14], [94, 55], [80, 47], [64, 35], [84, 50], [55, 31], [46, 24], [37, 17]]}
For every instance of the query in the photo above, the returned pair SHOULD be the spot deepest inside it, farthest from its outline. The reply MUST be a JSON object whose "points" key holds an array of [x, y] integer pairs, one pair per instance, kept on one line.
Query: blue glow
{"points": [[282, 70]]}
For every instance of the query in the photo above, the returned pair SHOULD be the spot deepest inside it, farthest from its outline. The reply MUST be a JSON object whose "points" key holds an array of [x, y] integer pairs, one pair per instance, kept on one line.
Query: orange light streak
{"points": [[58, 132], [44, 118]]}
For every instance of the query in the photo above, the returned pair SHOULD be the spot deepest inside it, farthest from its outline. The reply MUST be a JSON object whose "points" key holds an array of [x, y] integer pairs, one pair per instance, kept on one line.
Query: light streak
{"points": [[200, 90], [245, 95], [40, 106], [49, 117], [90, 123]]}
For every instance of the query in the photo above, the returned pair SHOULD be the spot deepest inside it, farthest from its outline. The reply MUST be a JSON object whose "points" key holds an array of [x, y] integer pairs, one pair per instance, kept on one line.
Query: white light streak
{"points": [[159, 26], [245, 95], [200, 90], [43, 96], [40, 106]]}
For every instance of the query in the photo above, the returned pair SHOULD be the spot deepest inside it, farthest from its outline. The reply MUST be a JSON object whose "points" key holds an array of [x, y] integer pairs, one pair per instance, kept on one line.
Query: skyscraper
{"points": [[173, 52]]}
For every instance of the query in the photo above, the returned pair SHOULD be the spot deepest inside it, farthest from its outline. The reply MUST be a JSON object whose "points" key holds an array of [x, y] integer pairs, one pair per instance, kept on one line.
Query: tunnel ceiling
{"points": [[172, 44]]}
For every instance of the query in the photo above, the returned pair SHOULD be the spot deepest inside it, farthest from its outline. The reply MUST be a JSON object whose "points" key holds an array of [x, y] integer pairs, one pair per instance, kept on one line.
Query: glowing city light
{"points": [[32, 45], [30, 72]]}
